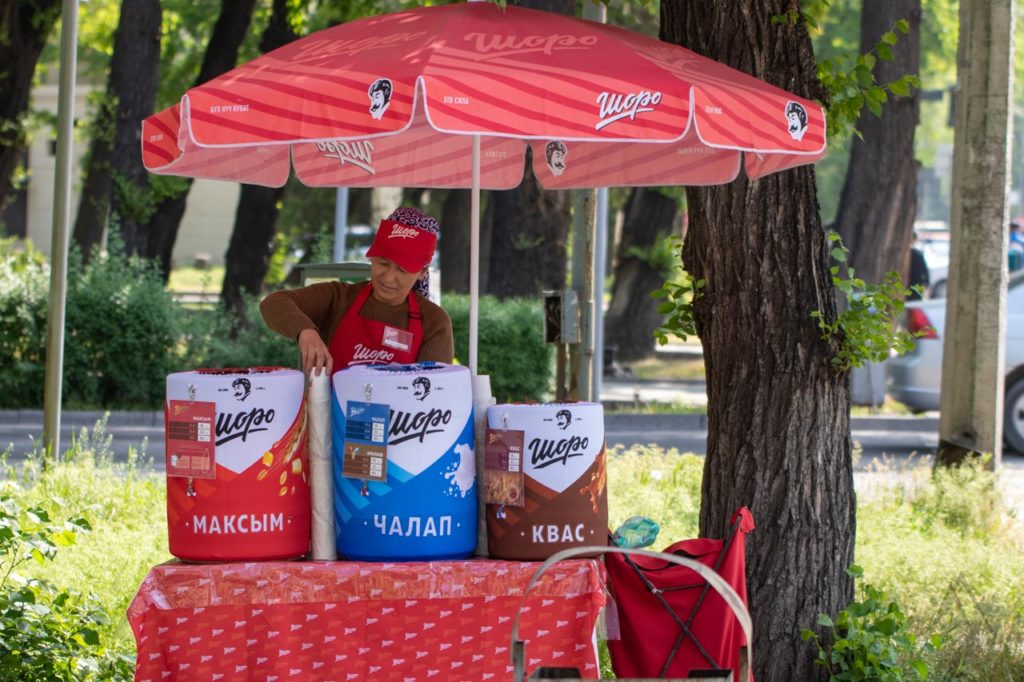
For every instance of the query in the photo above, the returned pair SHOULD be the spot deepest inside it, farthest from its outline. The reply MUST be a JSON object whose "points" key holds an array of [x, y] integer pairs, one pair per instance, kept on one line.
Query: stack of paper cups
{"points": [[482, 399], [321, 485]]}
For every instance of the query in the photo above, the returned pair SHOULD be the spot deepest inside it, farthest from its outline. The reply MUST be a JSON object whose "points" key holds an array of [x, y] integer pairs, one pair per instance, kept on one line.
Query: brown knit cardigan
{"points": [[322, 307]]}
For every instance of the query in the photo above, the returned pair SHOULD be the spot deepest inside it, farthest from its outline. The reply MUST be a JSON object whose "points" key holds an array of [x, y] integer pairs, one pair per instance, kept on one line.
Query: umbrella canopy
{"points": [[396, 99]]}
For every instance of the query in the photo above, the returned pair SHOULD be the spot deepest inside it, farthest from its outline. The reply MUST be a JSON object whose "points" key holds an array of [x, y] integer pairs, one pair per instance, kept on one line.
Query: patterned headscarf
{"points": [[413, 217]]}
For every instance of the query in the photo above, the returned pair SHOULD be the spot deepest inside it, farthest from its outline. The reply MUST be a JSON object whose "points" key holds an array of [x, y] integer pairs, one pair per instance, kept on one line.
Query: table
{"points": [[441, 620]]}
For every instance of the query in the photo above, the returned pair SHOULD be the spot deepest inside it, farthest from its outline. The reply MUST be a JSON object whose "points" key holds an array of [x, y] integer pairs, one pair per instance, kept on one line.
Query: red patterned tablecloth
{"points": [[442, 620]]}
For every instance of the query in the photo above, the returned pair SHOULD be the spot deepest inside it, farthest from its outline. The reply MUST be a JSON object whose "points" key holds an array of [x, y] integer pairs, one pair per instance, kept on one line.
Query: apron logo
{"points": [[359, 153], [494, 46], [363, 355], [796, 120], [614, 107]]}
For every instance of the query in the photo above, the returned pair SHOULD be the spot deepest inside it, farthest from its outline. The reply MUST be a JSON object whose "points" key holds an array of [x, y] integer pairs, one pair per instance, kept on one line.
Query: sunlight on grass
{"points": [[192, 279], [667, 368]]}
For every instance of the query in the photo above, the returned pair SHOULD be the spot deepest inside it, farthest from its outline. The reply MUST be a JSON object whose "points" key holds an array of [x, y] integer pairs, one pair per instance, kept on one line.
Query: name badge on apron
{"points": [[398, 339]]}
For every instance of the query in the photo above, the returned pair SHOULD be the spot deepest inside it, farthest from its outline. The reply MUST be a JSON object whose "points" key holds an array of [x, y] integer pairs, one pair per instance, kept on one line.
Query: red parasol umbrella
{"points": [[450, 96]]}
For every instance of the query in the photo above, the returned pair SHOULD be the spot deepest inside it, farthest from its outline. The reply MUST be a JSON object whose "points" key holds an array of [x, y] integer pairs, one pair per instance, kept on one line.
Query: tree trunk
{"points": [[220, 57], [24, 28], [633, 315], [878, 204], [778, 414], [252, 238], [529, 225], [116, 178], [528, 237], [454, 244]]}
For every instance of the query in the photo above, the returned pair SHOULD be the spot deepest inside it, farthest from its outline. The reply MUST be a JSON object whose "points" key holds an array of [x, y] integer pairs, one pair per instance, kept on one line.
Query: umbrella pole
{"points": [[474, 256]]}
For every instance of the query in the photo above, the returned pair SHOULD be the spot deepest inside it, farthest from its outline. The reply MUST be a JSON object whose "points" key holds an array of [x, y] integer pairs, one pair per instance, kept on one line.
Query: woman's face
{"points": [[391, 284]]}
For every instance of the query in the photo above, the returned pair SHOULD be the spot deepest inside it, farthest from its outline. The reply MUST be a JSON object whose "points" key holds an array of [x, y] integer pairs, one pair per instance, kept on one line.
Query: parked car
{"points": [[915, 378]]}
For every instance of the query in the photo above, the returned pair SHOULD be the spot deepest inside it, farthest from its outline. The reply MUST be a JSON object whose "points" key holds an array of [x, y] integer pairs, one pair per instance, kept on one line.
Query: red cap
{"points": [[410, 247]]}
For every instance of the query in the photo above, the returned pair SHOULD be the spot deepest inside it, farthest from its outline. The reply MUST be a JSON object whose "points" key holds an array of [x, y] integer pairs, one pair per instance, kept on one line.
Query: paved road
{"points": [[899, 437]]}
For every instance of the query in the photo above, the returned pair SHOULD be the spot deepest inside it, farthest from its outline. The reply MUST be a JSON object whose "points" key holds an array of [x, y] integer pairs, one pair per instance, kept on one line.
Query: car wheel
{"points": [[939, 290], [1013, 420]]}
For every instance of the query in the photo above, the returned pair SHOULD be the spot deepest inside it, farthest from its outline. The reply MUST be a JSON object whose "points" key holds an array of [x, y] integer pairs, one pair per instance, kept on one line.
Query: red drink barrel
{"points": [[257, 505]]}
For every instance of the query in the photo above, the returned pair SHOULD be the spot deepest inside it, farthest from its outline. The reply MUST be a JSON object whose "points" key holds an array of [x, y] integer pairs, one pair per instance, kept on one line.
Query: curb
{"points": [[615, 421]]}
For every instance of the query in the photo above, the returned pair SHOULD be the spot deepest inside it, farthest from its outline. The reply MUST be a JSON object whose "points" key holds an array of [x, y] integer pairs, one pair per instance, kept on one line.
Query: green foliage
{"points": [[215, 340], [869, 640], [852, 85], [46, 632], [511, 345], [122, 329], [24, 284], [679, 293], [866, 330], [662, 256]]}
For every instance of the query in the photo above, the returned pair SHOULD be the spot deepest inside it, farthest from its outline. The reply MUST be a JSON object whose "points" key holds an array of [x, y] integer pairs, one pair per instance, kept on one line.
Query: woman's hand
{"points": [[314, 352]]}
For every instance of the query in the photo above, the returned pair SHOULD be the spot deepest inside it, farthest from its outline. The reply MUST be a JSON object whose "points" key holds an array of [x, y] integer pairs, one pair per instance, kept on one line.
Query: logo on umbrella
{"points": [[615, 107], [796, 119], [380, 97], [359, 153], [555, 153]]}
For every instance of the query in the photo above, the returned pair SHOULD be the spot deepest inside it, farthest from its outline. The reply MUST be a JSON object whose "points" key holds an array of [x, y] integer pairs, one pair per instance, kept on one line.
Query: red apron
{"points": [[361, 341]]}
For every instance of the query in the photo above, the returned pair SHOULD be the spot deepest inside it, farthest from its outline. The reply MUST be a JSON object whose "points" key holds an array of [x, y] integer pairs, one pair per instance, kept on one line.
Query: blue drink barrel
{"points": [[426, 508]]}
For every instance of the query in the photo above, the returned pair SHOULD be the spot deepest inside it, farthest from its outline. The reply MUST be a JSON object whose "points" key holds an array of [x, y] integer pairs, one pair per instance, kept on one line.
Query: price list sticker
{"points": [[189, 443], [366, 446], [503, 467]]}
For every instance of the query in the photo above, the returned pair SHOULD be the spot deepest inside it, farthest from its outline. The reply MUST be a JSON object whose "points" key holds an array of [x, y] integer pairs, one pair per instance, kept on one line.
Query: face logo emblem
{"points": [[555, 153], [796, 120], [380, 97]]}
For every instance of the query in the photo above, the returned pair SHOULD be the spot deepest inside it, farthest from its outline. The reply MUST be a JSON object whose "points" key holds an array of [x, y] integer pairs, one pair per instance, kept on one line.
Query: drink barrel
{"points": [[256, 504], [423, 505], [565, 497]]}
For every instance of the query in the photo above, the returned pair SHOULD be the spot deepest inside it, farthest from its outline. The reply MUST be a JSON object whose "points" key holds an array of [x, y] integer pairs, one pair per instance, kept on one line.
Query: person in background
{"points": [[388, 319], [1016, 254], [918, 274]]}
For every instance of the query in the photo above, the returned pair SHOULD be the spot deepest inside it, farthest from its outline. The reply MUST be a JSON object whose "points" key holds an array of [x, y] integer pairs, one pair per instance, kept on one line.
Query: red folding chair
{"points": [[671, 623]]}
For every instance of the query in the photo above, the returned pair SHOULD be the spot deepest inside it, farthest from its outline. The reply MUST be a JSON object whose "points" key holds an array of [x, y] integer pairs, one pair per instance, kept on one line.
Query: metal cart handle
{"points": [[709, 574]]}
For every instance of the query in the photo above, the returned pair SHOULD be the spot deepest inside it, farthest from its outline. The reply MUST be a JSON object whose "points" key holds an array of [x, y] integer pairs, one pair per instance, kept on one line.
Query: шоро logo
{"points": [[796, 120], [420, 388], [241, 387], [555, 153], [563, 419], [380, 97]]}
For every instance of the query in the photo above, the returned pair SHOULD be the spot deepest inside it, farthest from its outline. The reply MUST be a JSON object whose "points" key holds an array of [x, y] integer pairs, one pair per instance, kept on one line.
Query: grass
{"points": [[943, 546], [667, 368]]}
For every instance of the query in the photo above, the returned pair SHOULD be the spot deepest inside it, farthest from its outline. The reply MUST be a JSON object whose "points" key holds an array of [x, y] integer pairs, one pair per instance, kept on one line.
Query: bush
{"points": [[122, 333], [24, 285], [213, 341], [47, 632], [511, 345]]}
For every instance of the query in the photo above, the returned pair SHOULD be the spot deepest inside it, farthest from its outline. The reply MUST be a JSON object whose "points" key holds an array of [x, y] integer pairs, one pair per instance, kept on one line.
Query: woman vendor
{"points": [[388, 319]]}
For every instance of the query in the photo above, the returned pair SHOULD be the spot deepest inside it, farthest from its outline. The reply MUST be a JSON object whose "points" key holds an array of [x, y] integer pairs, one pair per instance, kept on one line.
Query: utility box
{"points": [[561, 317], [357, 271]]}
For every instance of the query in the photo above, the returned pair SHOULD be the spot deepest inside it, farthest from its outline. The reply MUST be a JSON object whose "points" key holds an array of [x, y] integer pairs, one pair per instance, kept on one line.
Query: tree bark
{"points": [[633, 315], [252, 238], [529, 225], [116, 178], [24, 29], [778, 414], [454, 244], [878, 203], [528, 237], [220, 56]]}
